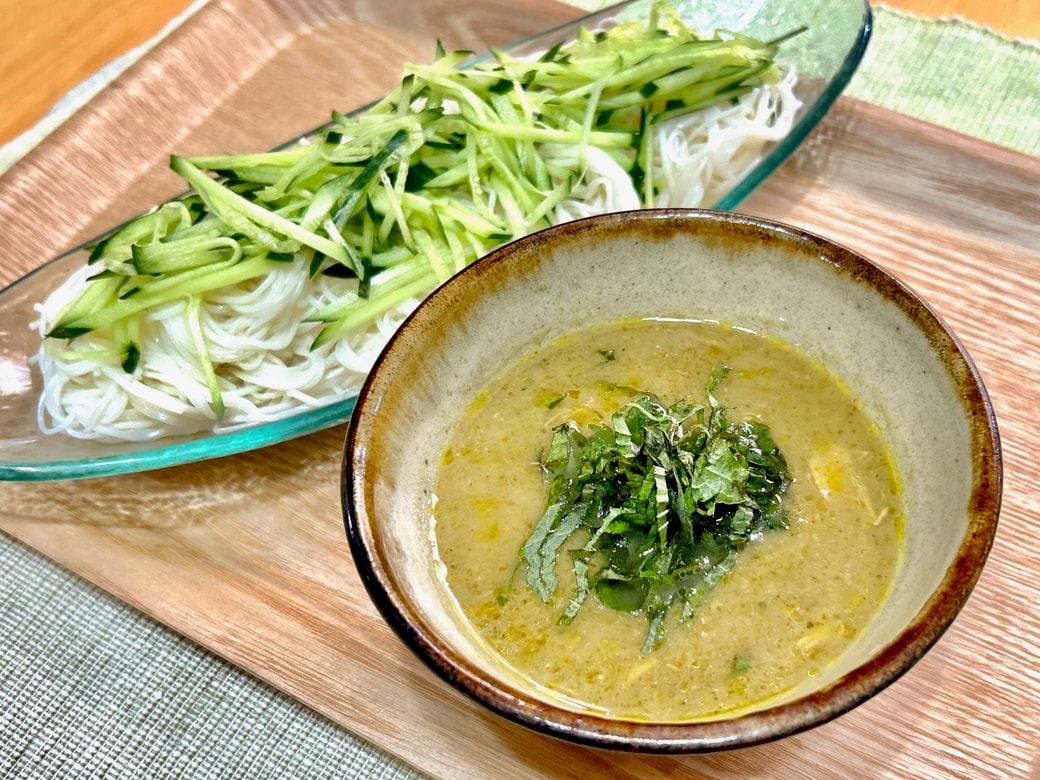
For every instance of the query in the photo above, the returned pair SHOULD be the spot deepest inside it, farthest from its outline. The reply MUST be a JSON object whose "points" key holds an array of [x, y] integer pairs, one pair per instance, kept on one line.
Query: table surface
{"points": [[966, 242], [47, 53]]}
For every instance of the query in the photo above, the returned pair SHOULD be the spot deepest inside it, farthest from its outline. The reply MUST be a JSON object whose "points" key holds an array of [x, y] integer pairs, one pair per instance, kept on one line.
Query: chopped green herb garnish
{"points": [[608, 354], [654, 510], [552, 404], [741, 664]]}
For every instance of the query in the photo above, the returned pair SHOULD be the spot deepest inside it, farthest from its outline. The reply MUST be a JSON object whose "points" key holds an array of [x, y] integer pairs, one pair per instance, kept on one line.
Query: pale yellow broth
{"points": [[793, 603]]}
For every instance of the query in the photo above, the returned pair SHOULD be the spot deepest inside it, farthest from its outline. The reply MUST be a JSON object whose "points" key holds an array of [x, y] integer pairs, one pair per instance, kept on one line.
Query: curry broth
{"points": [[792, 604]]}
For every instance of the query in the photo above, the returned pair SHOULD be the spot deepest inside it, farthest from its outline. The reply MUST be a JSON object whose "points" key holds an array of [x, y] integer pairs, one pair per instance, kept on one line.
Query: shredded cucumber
{"points": [[400, 197]]}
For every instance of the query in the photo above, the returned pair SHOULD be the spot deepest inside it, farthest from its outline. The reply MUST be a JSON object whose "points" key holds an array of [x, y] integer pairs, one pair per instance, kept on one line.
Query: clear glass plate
{"points": [[825, 56]]}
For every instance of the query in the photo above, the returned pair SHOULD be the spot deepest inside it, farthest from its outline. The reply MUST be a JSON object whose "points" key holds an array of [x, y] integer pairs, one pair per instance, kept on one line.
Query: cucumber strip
{"points": [[673, 85], [205, 227], [352, 253], [194, 315], [379, 302], [170, 257], [456, 248], [645, 160], [148, 227], [437, 257], [280, 159], [472, 220], [110, 356], [372, 131], [186, 284], [271, 169], [474, 172], [549, 135], [342, 195], [396, 217], [591, 112], [539, 216], [369, 236], [404, 96], [685, 55], [721, 95], [515, 213], [99, 294], [239, 214], [392, 256], [385, 279], [452, 174], [694, 86], [520, 115], [309, 164]]}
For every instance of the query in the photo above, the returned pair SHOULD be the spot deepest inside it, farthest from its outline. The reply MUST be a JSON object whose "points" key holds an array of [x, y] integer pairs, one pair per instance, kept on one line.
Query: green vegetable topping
{"points": [[553, 403], [449, 165], [654, 510], [741, 664]]}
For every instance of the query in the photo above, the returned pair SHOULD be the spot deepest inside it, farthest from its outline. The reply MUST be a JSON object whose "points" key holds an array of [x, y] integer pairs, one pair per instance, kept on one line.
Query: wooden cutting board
{"points": [[247, 555]]}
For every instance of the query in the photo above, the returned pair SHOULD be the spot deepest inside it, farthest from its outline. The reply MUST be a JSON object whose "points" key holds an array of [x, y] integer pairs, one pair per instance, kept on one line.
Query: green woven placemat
{"points": [[91, 688], [956, 75]]}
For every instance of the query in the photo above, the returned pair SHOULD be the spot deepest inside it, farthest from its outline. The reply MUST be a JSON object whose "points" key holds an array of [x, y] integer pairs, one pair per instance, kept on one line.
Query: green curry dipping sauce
{"points": [[787, 598]]}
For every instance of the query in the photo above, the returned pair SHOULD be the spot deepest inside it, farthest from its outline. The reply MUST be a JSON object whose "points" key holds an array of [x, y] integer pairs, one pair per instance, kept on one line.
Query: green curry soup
{"points": [[793, 602]]}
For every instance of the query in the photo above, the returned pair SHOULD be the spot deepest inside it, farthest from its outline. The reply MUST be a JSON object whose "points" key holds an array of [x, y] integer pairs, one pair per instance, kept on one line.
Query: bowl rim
{"points": [[758, 726]]}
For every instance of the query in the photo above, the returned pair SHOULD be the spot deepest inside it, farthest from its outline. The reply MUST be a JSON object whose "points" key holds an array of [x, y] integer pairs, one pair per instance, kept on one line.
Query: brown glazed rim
{"points": [[761, 725]]}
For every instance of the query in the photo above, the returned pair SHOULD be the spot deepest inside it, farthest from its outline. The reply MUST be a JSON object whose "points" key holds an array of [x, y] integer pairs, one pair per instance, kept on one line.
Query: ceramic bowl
{"points": [[905, 365]]}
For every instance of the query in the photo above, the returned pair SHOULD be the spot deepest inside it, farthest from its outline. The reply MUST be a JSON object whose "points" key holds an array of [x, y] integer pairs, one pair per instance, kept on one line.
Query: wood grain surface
{"points": [[45, 52], [247, 555]]}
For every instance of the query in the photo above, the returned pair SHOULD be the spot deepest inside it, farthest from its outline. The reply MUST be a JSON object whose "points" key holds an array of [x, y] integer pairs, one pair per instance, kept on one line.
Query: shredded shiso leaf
{"points": [[660, 503]]}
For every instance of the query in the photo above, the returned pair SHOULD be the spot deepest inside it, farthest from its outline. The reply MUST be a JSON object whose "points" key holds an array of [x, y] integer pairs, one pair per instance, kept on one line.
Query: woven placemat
{"points": [[956, 75], [91, 688]]}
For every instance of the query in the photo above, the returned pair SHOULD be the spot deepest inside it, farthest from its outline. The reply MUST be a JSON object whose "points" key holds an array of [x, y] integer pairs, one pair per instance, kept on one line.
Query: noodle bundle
{"points": [[259, 335]]}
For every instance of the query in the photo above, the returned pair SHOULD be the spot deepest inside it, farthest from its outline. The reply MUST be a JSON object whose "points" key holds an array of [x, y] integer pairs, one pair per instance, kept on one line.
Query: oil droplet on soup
{"points": [[793, 603]]}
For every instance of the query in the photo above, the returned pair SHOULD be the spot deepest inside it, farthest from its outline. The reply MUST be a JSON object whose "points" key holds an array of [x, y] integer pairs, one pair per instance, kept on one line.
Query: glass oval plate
{"points": [[825, 56]]}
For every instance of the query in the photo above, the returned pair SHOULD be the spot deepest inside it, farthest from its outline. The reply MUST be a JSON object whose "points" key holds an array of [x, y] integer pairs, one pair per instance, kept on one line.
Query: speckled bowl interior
{"points": [[875, 334]]}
